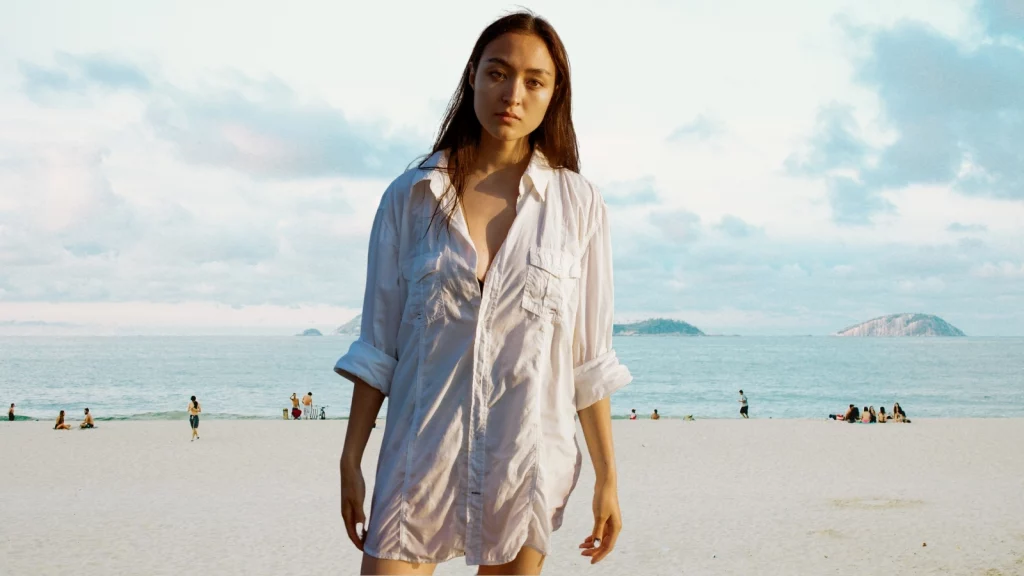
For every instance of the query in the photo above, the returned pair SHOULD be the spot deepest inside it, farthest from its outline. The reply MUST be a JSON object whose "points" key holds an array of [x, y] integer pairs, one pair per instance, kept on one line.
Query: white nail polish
{"points": [[597, 541], [359, 527]]}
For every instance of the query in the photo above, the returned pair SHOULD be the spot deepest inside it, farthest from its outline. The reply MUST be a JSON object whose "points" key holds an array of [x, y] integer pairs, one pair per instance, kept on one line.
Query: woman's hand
{"points": [[353, 490], [607, 523]]}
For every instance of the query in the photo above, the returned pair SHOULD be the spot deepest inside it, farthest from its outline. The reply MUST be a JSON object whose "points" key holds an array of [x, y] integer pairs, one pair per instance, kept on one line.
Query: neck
{"points": [[494, 155]]}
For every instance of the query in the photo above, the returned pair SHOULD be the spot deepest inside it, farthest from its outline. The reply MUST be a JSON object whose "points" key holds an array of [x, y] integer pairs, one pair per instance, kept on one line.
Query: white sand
{"points": [[705, 497]]}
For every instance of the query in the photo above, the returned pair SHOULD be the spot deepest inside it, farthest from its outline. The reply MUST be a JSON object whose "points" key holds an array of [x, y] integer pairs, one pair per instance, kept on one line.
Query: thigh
{"points": [[528, 561], [372, 565]]}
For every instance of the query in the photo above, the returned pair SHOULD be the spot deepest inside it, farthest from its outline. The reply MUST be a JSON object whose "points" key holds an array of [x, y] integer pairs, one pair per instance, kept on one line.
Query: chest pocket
{"points": [[551, 279], [425, 302]]}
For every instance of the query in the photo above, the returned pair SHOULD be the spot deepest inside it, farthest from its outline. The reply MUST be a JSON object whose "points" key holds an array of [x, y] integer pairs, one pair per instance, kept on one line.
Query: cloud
{"points": [[257, 127], [680, 226], [79, 74], [701, 128], [631, 193], [956, 113], [737, 228], [1002, 17], [958, 227]]}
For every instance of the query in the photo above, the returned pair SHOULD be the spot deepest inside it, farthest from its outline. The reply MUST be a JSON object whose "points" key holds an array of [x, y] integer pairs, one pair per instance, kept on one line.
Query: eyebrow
{"points": [[505, 63]]}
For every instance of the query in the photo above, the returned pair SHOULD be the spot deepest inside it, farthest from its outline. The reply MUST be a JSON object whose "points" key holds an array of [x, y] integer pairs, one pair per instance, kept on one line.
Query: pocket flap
{"points": [[559, 263], [416, 268]]}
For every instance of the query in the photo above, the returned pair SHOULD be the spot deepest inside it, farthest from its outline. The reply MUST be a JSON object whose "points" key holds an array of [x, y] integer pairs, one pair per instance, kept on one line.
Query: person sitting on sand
{"points": [[874, 415], [865, 417], [307, 405], [655, 416], [881, 415], [61, 424], [10, 413], [853, 414], [632, 414], [87, 421], [898, 413]]}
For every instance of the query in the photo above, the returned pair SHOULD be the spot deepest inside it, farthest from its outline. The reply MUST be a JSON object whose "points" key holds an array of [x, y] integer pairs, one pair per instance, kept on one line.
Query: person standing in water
{"points": [[487, 325], [743, 404], [193, 417]]}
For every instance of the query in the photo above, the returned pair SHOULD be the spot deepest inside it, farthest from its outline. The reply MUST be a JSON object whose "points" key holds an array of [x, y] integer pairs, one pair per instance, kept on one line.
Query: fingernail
{"points": [[359, 527], [597, 541]]}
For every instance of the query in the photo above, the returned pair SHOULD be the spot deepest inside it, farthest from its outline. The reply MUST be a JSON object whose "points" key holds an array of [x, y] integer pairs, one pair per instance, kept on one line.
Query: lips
{"points": [[507, 116]]}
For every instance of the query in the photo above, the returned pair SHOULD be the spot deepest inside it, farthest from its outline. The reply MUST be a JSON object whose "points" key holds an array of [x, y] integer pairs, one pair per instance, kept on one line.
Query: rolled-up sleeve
{"points": [[373, 356], [597, 372]]}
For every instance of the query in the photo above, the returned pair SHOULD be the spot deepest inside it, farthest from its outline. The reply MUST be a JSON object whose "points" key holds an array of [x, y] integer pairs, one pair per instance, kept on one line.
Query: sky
{"points": [[771, 168]]}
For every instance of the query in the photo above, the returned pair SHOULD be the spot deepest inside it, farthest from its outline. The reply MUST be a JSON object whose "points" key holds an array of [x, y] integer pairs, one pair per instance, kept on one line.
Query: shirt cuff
{"points": [[599, 378], [368, 364]]}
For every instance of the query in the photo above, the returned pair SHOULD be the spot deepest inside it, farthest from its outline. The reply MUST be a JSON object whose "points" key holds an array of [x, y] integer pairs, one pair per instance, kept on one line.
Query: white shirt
{"points": [[479, 453]]}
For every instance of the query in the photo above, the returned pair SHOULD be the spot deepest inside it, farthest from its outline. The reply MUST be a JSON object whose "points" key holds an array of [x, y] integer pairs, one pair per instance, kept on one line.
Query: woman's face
{"points": [[513, 85]]}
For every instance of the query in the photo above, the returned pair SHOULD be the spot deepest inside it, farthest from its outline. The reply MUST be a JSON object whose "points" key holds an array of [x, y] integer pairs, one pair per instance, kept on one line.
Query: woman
{"points": [[487, 323], [873, 414], [881, 415], [865, 416], [193, 418], [10, 413], [897, 413], [61, 424]]}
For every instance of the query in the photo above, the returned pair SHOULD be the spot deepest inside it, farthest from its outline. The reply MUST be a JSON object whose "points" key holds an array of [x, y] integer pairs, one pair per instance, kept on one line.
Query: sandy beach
{"points": [[703, 497]]}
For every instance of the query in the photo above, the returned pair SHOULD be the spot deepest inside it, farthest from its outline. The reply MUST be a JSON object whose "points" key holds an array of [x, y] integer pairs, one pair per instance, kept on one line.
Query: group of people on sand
{"points": [[307, 406], [654, 415], [744, 409], [87, 421], [869, 416]]}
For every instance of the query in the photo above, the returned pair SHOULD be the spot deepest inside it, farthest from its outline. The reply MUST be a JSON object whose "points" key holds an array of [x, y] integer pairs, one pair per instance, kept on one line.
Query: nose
{"points": [[513, 93]]}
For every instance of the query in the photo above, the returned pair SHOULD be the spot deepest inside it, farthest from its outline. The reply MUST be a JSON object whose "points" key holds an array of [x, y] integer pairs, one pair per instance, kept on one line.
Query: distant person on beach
{"points": [[61, 424], [881, 415], [632, 414], [865, 416], [655, 416], [898, 414], [307, 405], [853, 414], [10, 413], [470, 359], [296, 413], [193, 418], [87, 421], [743, 404], [874, 415]]}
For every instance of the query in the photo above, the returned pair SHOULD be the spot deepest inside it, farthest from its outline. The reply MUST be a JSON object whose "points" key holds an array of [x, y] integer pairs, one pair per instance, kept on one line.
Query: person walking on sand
{"points": [[87, 421], [61, 424], [307, 405], [487, 325], [194, 408], [655, 415], [743, 404], [10, 413]]}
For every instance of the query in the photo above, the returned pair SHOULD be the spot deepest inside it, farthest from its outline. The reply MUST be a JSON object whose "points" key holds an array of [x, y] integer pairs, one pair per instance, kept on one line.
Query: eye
{"points": [[537, 83], [497, 75]]}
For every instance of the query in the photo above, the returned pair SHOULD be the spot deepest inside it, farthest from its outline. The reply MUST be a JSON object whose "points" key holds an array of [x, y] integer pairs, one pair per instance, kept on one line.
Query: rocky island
{"points": [[903, 325], [657, 326], [310, 332], [350, 328]]}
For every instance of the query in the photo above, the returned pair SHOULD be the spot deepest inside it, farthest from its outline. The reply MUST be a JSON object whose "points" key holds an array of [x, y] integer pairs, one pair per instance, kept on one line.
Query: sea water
{"points": [[150, 377]]}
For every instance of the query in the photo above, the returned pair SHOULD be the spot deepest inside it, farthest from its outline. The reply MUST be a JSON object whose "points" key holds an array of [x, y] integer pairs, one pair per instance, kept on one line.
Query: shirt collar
{"points": [[538, 172]]}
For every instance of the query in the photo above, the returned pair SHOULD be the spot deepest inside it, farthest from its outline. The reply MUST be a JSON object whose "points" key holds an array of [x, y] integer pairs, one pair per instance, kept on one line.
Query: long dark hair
{"points": [[195, 403], [459, 133]]}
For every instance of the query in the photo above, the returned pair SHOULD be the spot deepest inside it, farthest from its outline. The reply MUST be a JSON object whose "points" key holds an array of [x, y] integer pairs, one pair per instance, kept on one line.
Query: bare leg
{"points": [[528, 561], [372, 565]]}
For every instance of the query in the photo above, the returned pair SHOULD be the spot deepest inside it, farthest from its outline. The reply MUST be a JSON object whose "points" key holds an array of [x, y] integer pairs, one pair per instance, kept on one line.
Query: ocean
{"points": [[152, 377]]}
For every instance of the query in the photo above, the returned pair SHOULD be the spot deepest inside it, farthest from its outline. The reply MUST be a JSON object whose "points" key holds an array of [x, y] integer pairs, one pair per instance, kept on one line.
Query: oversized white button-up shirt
{"points": [[479, 453]]}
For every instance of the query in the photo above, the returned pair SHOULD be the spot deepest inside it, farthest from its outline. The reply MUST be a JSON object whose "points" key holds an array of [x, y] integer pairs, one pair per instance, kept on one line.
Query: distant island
{"points": [[310, 332], [903, 325], [350, 328], [657, 326]]}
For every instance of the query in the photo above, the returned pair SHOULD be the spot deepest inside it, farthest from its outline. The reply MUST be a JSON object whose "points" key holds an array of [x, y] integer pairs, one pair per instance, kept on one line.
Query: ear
{"points": [[472, 76]]}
